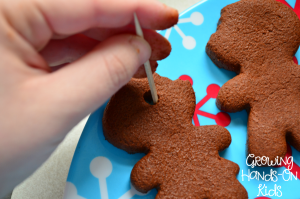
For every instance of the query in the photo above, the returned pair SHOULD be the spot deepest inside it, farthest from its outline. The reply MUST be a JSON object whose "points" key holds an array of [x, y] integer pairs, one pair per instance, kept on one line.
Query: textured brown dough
{"points": [[257, 39], [182, 160]]}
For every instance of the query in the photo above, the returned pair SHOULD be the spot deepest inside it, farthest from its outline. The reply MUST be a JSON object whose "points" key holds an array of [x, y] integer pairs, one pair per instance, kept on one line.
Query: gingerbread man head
{"points": [[258, 39], [182, 160]]}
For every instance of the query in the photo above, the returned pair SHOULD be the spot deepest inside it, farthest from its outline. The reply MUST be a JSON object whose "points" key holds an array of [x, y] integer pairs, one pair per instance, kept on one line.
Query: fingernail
{"points": [[142, 47]]}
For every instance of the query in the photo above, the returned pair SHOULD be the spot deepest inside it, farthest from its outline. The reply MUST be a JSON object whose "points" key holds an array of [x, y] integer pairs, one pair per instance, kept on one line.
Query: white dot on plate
{"points": [[189, 42], [101, 167], [197, 18]]}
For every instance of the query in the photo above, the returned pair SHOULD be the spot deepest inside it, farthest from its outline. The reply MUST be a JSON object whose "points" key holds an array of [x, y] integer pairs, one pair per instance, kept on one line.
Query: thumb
{"points": [[88, 82]]}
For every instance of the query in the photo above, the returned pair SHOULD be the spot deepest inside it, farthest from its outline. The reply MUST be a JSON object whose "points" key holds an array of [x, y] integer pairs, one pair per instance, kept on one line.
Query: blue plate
{"points": [[99, 170]]}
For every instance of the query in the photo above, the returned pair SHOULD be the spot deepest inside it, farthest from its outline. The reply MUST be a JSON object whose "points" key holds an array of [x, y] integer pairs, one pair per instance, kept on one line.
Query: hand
{"points": [[39, 107]]}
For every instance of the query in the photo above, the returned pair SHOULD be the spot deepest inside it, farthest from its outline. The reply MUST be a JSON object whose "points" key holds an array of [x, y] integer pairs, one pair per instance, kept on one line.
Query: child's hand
{"points": [[37, 107]]}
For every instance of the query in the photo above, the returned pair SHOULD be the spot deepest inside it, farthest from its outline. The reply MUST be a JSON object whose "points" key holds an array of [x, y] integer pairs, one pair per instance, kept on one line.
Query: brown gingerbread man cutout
{"points": [[257, 39], [182, 160]]}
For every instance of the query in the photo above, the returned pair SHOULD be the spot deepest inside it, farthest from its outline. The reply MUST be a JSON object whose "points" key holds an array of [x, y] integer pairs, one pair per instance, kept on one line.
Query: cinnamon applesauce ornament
{"points": [[257, 39], [182, 160]]}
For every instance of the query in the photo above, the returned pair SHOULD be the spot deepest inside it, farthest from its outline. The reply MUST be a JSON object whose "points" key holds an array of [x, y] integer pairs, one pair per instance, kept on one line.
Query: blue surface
{"points": [[199, 67]]}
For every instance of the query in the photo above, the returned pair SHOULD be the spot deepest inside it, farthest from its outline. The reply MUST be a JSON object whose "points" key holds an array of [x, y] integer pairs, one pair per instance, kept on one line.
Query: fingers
{"points": [[30, 24], [72, 48], [160, 46], [69, 18], [59, 52], [89, 82], [67, 50], [232, 95]]}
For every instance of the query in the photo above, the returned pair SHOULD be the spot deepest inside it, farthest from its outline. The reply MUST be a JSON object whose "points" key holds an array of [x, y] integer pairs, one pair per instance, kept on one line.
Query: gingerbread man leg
{"points": [[293, 137], [225, 187], [233, 95], [266, 136]]}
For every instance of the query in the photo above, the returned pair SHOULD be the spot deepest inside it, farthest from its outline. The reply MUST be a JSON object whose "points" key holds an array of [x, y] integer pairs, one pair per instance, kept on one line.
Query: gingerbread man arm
{"points": [[143, 174], [233, 95], [219, 136]]}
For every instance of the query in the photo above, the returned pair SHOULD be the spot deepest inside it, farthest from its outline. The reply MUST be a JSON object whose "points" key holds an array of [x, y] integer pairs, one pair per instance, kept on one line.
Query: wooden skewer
{"points": [[139, 32]]}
